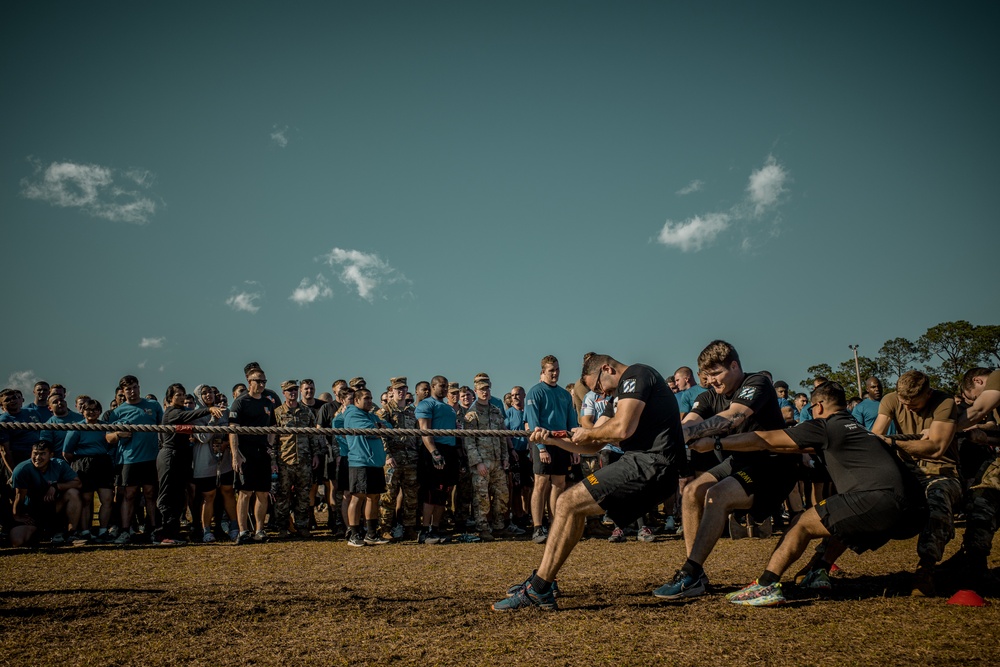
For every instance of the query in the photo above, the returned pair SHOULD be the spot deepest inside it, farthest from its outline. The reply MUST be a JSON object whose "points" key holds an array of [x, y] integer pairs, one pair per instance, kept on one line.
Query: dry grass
{"points": [[325, 603]]}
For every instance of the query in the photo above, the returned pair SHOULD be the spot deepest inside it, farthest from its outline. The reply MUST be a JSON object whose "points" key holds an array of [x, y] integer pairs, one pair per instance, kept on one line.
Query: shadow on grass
{"points": [[80, 591]]}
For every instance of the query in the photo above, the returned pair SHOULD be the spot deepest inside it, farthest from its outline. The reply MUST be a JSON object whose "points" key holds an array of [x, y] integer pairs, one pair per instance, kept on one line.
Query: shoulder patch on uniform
{"points": [[694, 405], [628, 386], [747, 393]]}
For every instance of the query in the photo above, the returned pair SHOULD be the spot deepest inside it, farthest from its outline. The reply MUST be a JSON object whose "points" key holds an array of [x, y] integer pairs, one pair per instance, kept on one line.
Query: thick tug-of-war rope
{"points": [[269, 430]]}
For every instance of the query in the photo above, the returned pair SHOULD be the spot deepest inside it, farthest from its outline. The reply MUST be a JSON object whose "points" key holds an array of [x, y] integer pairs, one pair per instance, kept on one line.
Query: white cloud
{"points": [[142, 364], [307, 291], [279, 136], [94, 190], [153, 342], [766, 185], [162, 368], [693, 233], [365, 272], [23, 381], [693, 186], [245, 300]]}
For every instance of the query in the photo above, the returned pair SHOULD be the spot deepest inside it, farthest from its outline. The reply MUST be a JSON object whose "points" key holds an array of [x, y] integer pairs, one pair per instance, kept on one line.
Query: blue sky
{"points": [[406, 188]]}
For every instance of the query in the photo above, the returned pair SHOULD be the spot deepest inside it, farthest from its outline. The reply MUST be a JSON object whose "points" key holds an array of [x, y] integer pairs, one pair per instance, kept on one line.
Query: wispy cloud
{"points": [[279, 136], [767, 185], [692, 234], [142, 364], [765, 192], [245, 299], [153, 342], [162, 368], [23, 381], [101, 192], [693, 186], [309, 291], [365, 272]]}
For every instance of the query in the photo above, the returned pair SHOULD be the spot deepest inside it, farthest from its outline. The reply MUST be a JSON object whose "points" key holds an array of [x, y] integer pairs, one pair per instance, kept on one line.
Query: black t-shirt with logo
{"points": [[659, 428], [757, 393], [249, 411], [856, 459]]}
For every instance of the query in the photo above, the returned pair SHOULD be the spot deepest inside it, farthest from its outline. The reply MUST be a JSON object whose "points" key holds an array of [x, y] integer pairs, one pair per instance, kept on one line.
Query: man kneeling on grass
{"points": [[47, 497], [878, 499]]}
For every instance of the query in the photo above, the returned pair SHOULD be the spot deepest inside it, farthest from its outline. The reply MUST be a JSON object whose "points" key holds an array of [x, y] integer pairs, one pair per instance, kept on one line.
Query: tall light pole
{"points": [[857, 367]]}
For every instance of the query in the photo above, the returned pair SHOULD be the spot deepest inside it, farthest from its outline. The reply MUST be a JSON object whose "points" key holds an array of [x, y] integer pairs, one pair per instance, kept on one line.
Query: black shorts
{"points": [[524, 477], [701, 462], [769, 480], [256, 474], [866, 520], [207, 484], [95, 472], [633, 485], [139, 474], [367, 480], [560, 465], [434, 483]]}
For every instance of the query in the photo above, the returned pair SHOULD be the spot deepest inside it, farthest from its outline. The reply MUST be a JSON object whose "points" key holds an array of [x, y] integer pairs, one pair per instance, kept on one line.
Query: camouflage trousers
{"points": [[944, 494], [402, 478], [982, 520], [293, 494], [490, 492]]}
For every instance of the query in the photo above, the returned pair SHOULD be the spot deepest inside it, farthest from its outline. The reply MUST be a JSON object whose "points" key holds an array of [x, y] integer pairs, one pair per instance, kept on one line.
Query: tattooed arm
{"points": [[725, 422]]}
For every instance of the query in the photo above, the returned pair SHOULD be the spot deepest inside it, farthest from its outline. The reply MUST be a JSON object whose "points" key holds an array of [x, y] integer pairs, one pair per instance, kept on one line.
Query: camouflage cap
{"points": [[395, 383], [357, 381], [481, 376], [452, 386], [289, 384], [481, 383]]}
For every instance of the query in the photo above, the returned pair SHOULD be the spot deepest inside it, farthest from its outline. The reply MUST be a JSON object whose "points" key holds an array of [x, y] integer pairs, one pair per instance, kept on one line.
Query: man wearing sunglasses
{"points": [[252, 461]]}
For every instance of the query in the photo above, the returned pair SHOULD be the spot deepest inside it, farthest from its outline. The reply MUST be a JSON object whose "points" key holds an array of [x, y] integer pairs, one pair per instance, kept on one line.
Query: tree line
{"points": [[944, 352]]}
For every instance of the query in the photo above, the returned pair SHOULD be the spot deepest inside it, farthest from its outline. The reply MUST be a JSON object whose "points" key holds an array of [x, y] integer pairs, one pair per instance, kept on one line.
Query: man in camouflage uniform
{"points": [[402, 477], [463, 490], [297, 456], [915, 409], [489, 459], [981, 391]]}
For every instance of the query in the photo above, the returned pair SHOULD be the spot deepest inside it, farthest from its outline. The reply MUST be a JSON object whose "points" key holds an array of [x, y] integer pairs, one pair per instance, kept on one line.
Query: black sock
{"points": [[692, 568], [768, 578], [353, 530], [539, 584], [371, 525]]}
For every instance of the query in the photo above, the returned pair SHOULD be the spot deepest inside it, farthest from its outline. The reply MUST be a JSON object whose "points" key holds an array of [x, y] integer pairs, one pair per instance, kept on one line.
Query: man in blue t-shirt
{"points": [[138, 453], [550, 407], [438, 461], [61, 414], [15, 446], [46, 496], [687, 389], [867, 410], [521, 477]]}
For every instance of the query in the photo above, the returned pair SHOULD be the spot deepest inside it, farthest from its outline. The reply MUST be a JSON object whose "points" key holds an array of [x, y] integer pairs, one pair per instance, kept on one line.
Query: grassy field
{"points": [[322, 602]]}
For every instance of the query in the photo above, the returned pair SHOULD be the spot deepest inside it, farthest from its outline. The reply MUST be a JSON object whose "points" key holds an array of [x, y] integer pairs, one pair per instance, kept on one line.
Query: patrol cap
{"points": [[289, 384], [356, 382], [481, 383], [481, 376], [395, 383], [452, 386]]}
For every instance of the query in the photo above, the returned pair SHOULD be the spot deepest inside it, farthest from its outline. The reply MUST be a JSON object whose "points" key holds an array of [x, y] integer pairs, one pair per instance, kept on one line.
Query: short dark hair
{"points": [[43, 444], [970, 376], [175, 388], [126, 380], [781, 384], [592, 361], [831, 392]]}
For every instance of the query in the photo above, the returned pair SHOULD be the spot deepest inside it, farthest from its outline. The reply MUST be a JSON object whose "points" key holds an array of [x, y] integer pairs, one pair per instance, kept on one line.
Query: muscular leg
{"points": [[720, 500], [260, 509], [243, 499], [791, 547], [693, 506], [556, 488], [570, 514]]}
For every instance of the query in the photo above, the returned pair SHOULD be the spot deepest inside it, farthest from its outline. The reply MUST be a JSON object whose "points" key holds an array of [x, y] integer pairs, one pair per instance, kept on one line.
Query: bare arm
{"points": [[771, 441], [7, 456], [988, 400], [719, 424], [427, 440], [881, 425], [934, 444]]}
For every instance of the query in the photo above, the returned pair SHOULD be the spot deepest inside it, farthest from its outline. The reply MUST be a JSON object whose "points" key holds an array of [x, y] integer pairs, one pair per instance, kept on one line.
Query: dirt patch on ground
{"points": [[322, 602]]}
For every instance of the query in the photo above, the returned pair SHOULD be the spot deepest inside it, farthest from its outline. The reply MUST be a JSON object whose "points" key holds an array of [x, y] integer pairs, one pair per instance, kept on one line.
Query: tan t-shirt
{"points": [[939, 408], [993, 381]]}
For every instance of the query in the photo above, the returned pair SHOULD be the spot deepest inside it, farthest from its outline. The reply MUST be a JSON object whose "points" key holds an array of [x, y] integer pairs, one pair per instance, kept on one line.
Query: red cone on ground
{"points": [[967, 598]]}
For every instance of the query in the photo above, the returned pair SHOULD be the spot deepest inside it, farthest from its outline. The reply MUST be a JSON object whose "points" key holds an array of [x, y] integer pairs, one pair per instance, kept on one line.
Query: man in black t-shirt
{"points": [[252, 460], [646, 425], [737, 402], [877, 498]]}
